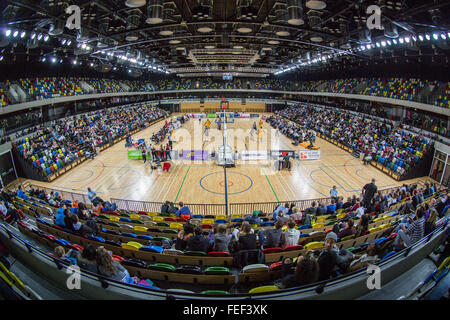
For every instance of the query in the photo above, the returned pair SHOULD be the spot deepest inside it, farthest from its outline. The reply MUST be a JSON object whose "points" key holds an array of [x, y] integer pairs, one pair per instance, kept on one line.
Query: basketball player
{"points": [[260, 124], [207, 126]]}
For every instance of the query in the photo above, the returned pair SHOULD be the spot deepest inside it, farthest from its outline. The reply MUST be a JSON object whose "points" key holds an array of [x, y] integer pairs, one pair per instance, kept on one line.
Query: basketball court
{"points": [[112, 175]]}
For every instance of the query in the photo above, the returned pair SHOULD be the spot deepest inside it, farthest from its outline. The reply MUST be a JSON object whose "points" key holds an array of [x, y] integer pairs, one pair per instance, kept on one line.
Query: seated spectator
{"points": [[197, 242], [246, 237], [340, 203], [344, 232], [9, 214], [171, 209], [365, 260], [222, 239], [281, 217], [331, 208], [21, 194], [253, 219], [342, 257], [184, 211], [165, 207], [430, 223], [322, 209], [108, 206], [60, 253], [311, 210], [87, 260], [270, 238], [280, 208], [290, 236], [183, 236], [80, 228], [297, 215], [68, 220], [60, 215], [327, 263], [414, 232], [302, 272], [110, 268], [363, 226], [347, 204], [95, 200]]}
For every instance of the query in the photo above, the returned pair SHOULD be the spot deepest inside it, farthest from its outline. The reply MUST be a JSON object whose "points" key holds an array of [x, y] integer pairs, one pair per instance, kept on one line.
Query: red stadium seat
{"points": [[293, 248], [276, 266], [272, 250], [218, 254]]}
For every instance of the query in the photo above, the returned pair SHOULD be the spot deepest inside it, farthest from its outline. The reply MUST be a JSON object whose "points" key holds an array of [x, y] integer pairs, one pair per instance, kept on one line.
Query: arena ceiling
{"points": [[212, 37]]}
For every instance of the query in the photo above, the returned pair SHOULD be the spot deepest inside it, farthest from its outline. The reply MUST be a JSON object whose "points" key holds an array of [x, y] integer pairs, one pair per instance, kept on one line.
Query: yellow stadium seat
{"points": [[254, 226], [283, 228], [321, 218], [373, 230], [131, 246], [114, 218], [175, 225], [135, 216], [340, 216], [152, 214], [377, 219], [318, 225], [158, 219], [314, 245], [208, 221], [173, 215], [264, 289], [236, 216], [348, 237], [139, 228], [221, 217]]}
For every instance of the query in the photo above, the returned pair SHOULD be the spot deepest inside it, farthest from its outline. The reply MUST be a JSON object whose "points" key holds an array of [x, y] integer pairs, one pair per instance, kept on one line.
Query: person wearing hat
{"points": [[341, 257], [253, 219]]}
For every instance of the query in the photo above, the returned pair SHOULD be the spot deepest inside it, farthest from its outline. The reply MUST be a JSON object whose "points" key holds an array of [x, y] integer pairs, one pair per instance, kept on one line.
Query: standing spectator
{"points": [[334, 193], [369, 191]]}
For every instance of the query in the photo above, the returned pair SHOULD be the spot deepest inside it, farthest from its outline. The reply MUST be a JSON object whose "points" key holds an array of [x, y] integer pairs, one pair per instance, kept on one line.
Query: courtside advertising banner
{"points": [[195, 155], [309, 155], [282, 153], [254, 155]]}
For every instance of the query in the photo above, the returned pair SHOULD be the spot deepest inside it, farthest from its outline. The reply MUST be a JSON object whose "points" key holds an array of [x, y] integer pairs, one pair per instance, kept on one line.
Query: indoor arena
{"points": [[224, 150]]}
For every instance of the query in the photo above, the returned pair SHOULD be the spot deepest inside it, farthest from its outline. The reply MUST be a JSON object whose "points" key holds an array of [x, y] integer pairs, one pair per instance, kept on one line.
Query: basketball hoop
{"points": [[224, 105]]}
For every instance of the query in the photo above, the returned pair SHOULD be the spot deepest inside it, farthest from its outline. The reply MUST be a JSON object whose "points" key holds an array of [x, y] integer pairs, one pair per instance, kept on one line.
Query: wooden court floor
{"points": [[112, 175]]}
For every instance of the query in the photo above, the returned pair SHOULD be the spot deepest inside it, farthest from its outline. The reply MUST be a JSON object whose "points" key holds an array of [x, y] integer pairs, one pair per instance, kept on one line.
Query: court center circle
{"points": [[203, 182]]}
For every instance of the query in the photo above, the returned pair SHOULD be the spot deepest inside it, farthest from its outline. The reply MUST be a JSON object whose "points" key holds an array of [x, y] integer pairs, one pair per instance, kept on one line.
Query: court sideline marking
{"points": [[184, 179], [264, 171]]}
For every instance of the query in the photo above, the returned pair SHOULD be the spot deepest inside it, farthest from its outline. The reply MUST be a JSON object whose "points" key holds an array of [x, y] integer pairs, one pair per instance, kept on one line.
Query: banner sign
{"points": [[309, 154], [245, 115], [196, 155], [253, 115], [282, 153], [254, 155]]}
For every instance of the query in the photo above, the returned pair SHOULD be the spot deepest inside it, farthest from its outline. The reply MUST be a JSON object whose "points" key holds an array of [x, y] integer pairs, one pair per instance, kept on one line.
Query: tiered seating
{"points": [[105, 85], [56, 147], [131, 248], [342, 85], [396, 88], [444, 98], [4, 101], [45, 88]]}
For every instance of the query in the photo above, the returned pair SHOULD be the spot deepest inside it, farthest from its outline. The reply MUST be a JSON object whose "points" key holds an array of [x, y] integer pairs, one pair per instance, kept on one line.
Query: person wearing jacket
{"points": [[111, 268], [59, 220], [87, 259], [253, 219], [290, 236], [184, 211], [197, 242]]}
